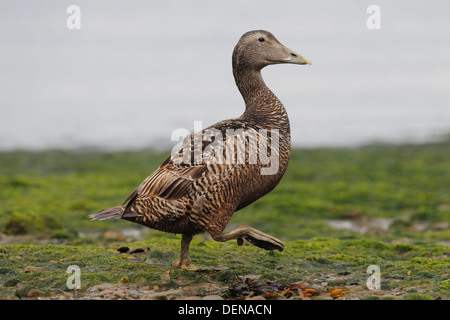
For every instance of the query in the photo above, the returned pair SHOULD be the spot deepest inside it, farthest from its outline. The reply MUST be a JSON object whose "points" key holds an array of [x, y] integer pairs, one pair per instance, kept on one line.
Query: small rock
{"points": [[105, 293], [163, 295], [138, 250], [212, 297], [103, 288], [123, 249], [33, 269], [33, 293], [299, 298], [56, 291]]}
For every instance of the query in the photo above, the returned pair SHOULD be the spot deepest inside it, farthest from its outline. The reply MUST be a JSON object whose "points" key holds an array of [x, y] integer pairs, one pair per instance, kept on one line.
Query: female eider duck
{"points": [[189, 194]]}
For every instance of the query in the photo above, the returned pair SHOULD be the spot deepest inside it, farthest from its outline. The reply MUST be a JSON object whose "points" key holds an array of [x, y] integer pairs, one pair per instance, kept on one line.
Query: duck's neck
{"points": [[261, 104]]}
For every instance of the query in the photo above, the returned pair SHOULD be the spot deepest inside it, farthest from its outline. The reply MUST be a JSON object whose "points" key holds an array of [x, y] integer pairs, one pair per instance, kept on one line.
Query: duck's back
{"points": [[225, 168]]}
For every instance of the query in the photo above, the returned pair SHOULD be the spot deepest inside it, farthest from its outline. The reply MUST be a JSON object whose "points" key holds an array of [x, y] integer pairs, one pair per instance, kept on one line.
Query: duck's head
{"points": [[259, 48]]}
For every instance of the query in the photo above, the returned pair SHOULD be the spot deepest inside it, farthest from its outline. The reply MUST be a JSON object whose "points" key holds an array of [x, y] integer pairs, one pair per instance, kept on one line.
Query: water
{"points": [[138, 70]]}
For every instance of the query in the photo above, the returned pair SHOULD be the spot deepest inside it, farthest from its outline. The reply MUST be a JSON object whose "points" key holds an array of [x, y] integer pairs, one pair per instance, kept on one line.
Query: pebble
{"points": [[256, 298], [212, 297], [138, 250], [190, 298], [123, 249], [33, 269], [33, 293], [163, 295]]}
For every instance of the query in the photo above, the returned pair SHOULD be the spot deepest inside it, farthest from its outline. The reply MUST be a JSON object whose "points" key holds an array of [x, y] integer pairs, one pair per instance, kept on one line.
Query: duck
{"points": [[198, 188]]}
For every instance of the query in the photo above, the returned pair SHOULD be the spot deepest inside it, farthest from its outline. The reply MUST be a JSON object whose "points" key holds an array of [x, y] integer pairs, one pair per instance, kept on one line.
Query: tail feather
{"points": [[111, 213]]}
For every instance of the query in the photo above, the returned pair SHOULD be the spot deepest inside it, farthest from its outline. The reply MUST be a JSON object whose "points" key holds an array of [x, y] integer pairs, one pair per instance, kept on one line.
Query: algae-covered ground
{"points": [[343, 214]]}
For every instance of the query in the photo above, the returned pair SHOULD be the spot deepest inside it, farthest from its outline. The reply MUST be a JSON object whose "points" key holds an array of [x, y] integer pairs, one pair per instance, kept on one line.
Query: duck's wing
{"points": [[173, 177], [169, 181]]}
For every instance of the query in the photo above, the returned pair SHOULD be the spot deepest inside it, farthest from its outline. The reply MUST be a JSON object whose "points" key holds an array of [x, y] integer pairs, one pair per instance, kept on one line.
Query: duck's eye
{"points": [[261, 39]]}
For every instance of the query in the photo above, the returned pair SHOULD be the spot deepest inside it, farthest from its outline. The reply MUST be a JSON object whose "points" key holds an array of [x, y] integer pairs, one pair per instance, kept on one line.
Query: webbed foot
{"points": [[255, 237]]}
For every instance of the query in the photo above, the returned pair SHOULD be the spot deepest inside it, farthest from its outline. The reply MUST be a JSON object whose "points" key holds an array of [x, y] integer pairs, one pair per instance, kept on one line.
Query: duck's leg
{"points": [[184, 262], [255, 237]]}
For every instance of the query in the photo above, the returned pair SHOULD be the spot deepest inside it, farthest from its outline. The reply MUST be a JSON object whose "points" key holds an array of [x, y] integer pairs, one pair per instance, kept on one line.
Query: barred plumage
{"points": [[211, 177]]}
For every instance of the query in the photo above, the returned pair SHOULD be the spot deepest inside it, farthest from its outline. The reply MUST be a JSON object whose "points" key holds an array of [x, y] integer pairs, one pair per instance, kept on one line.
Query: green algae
{"points": [[46, 197], [313, 261]]}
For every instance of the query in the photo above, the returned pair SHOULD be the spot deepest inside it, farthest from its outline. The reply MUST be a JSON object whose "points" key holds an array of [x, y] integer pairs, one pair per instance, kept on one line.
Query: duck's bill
{"points": [[295, 58]]}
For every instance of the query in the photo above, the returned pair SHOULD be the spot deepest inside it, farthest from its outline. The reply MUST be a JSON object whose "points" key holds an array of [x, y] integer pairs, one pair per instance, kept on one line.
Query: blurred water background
{"points": [[138, 70]]}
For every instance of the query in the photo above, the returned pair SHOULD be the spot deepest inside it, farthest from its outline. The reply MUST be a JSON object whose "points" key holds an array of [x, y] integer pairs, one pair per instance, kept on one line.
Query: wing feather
{"points": [[173, 177]]}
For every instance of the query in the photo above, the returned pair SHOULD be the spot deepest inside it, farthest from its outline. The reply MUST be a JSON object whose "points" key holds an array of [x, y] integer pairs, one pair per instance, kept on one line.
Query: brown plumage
{"points": [[198, 189]]}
